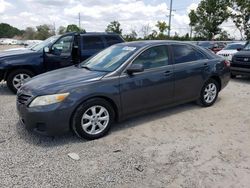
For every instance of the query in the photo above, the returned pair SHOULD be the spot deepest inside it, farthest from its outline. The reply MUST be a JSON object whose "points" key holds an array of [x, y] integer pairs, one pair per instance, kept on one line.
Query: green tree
{"points": [[224, 35], [145, 31], [162, 26], [61, 30], [114, 27], [8, 31], [132, 36], [29, 33], [241, 16], [209, 15], [44, 32], [73, 28]]}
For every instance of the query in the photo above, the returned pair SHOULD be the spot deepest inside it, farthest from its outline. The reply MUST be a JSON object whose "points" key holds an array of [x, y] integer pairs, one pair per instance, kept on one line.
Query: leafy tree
{"points": [[224, 35], [73, 28], [114, 27], [8, 31], [61, 30], [162, 26], [132, 36], [153, 35], [44, 32], [29, 33], [209, 15], [145, 30], [241, 16]]}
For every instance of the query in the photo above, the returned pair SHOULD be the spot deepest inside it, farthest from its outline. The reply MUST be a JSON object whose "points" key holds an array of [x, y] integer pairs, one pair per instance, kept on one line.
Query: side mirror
{"points": [[135, 68], [239, 49], [46, 50]]}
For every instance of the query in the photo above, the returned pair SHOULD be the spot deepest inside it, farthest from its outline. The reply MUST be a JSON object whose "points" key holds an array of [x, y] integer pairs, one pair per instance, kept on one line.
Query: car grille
{"points": [[242, 59], [23, 98], [225, 55]]}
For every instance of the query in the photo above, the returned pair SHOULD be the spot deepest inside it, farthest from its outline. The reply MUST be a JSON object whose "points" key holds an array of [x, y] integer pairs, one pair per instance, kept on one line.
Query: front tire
{"points": [[17, 78], [209, 93], [93, 119]]}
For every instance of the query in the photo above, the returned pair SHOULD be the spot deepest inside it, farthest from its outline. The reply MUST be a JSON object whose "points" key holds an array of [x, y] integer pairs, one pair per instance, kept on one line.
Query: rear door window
{"points": [[112, 40], [92, 43], [185, 53]]}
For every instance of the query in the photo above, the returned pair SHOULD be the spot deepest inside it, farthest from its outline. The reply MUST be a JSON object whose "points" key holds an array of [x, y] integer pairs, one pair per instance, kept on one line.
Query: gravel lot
{"points": [[184, 146]]}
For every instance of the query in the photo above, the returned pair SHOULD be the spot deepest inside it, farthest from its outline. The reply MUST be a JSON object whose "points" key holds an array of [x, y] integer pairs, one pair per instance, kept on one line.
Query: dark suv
{"points": [[241, 62], [56, 52]]}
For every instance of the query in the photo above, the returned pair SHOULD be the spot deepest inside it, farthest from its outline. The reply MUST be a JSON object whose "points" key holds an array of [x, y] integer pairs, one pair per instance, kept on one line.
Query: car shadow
{"points": [[46, 141], [4, 89], [34, 138], [151, 117], [242, 79]]}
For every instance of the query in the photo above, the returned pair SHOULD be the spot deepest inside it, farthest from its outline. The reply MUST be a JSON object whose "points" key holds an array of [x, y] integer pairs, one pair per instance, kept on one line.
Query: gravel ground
{"points": [[184, 146]]}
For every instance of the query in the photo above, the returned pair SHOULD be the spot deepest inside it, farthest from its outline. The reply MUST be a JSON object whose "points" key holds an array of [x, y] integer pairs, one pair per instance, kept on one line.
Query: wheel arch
{"points": [[217, 79], [109, 100], [22, 67]]}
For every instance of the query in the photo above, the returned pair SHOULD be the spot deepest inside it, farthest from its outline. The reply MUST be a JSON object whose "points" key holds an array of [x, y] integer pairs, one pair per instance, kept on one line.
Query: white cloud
{"points": [[192, 6], [95, 14], [4, 5]]}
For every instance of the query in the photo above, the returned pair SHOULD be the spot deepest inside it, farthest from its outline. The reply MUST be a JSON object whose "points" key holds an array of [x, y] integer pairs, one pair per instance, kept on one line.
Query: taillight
{"points": [[227, 63]]}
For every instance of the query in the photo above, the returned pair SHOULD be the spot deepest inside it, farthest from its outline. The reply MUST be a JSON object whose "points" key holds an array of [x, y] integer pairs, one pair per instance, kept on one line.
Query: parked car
{"points": [[241, 62], [121, 81], [60, 51], [215, 46], [231, 49]]}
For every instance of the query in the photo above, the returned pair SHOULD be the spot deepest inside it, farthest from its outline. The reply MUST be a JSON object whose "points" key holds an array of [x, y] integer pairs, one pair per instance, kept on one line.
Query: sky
{"points": [[97, 14]]}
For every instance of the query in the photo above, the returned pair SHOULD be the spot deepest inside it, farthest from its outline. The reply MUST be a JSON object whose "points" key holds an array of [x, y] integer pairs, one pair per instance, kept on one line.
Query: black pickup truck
{"points": [[240, 64], [17, 66]]}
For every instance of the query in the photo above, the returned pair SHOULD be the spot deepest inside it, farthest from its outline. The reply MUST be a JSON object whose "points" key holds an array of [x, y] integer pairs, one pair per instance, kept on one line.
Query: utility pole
{"points": [[170, 16], [79, 20], [54, 24]]}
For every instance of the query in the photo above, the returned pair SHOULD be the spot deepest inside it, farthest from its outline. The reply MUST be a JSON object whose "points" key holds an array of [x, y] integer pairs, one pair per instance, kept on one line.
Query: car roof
{"points": [[98, 33], [237, 43], [144, 43]]}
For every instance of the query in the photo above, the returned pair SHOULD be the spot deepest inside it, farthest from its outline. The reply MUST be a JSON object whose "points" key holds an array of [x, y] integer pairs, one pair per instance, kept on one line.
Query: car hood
{"points": [[5, 55], [61, 79], [243, 53]]}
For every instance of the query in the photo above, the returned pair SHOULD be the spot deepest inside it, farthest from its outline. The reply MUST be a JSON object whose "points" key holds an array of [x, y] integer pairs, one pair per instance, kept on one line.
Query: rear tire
{"points": [[17, 78], [233, 76], [93, 119], [209, 93]]}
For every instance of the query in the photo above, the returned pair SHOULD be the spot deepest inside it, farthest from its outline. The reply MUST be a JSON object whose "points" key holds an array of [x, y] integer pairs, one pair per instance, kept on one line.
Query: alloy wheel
{"points": [[20, 79], [95, 120], [210, 93]]}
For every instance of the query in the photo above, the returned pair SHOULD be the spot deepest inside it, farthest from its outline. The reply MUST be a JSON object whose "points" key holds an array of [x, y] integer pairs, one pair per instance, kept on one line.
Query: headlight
{"points": [[48, 99]]}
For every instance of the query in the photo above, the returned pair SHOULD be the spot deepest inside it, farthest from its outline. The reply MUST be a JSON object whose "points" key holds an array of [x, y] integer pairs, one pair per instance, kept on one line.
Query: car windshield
{"points": [[109, 59], [45, 43], [233, 46], [205, 44], [247, 47]]}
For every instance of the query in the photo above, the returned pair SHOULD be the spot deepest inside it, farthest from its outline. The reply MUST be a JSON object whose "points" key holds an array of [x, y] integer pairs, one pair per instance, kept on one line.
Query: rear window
{"points": [[185, 53], [92, 43], [112, 40]]}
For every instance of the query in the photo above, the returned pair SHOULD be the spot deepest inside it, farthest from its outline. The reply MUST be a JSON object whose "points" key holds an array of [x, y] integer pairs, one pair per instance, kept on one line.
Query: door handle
{"points": [[167, 73]]}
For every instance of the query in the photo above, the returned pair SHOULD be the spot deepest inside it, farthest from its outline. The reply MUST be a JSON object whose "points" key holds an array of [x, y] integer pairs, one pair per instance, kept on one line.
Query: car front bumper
{"points": [[240, 71], [48, 120]]}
